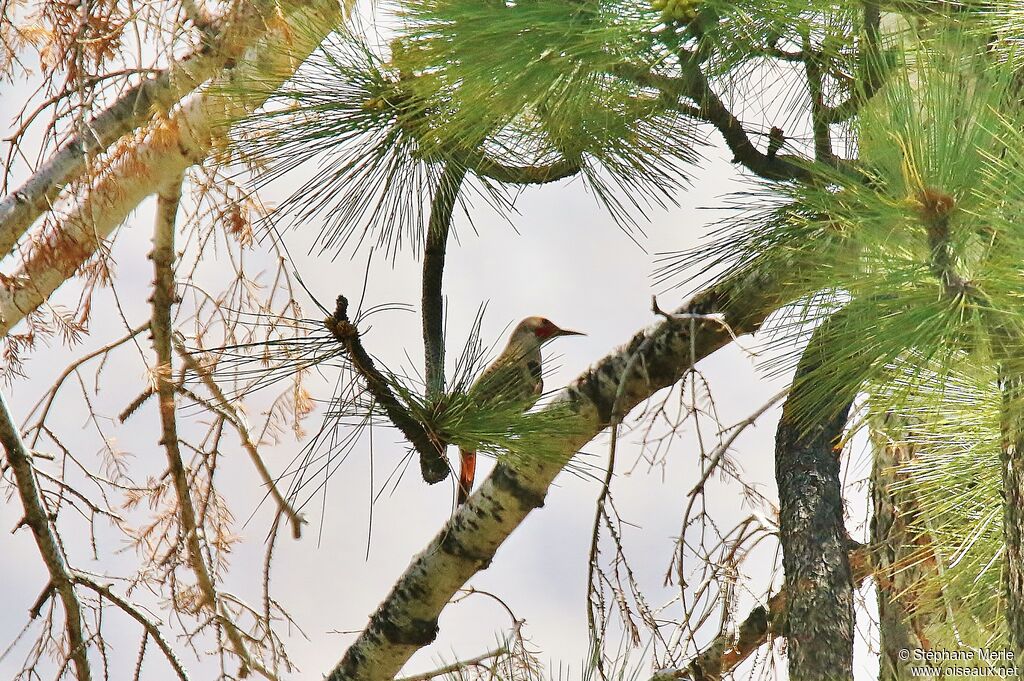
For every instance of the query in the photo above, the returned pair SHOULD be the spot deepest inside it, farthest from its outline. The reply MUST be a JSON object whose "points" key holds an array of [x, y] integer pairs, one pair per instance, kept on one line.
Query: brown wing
{"points": [[509, 378]]}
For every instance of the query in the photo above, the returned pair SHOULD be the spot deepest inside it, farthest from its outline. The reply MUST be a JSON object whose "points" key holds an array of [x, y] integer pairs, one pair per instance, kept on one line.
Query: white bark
{"points": [[229, 38], [165, 151], [654, 359]]}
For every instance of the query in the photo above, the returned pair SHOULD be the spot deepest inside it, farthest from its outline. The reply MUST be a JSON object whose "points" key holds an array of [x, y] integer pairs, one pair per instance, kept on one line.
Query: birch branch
{"points": [[164, 151], [407, 619], [229, 37]]}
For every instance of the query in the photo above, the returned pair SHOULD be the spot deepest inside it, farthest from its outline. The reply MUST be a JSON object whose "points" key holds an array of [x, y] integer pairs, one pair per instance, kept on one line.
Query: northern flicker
{"points": [[516, 375]]}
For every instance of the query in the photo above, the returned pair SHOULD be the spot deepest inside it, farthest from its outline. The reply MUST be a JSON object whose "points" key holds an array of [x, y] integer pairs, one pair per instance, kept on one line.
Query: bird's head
{"points": [[540, 330]]}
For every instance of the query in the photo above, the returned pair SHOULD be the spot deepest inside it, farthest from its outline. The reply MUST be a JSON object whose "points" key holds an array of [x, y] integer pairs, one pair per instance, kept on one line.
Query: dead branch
{"points": [[167, 149], [150, 627], [718, 452], [236, 32], [223, 406], [762, 624], [44, 404], [457, 666], [163, 298], [38, 520]]}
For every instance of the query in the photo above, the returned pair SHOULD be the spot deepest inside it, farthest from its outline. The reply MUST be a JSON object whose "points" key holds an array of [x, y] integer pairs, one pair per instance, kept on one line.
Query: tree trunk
{"points": [[904, 560], [1011, 383], [819, 585]]}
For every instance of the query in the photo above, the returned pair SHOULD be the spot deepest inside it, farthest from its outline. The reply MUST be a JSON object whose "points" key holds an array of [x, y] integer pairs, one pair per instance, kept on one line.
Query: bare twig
{"points": [[541, 174], [762, 624], [150, 627], [178, 143], [44, 404], [163, 298], [236, 32], [38, 520], [595, 535], [457, 666], [237, 420], [718, 452]]}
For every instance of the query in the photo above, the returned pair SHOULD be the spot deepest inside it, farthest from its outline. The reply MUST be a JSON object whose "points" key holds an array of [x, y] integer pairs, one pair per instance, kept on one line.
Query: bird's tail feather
{"points": [[467, 471]]}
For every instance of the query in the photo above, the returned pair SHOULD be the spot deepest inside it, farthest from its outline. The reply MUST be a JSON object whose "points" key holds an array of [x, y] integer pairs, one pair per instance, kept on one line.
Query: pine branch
{"points": [[425, 443], [819, 124], [407, 619], [875, 76], [442, 210], [169, 149], [693, 85], [936, 209], [715, 112], [541, 174], [38, 520], [434, 464]]}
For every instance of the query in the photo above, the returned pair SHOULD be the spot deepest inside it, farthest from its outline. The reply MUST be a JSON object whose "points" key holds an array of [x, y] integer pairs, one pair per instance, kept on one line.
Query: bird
{"points": [[516, 375]]}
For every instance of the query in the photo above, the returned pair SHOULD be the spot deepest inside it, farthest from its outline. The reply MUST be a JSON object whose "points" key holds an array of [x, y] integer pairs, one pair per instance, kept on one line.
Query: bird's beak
{"points": [[568, 332]]}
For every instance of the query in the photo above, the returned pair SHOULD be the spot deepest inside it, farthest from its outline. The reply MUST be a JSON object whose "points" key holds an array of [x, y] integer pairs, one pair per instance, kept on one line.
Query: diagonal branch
{"points": [[377, 383], [233, 33], [38, 520], [222, 405], [407, 619], [132, 611], [694, 85], [167, 149]]}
